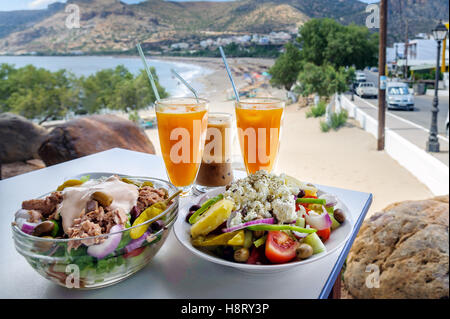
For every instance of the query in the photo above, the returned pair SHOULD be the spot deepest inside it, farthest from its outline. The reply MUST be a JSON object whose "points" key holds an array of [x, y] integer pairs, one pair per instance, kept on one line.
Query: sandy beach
{"points": [[346, 158]]}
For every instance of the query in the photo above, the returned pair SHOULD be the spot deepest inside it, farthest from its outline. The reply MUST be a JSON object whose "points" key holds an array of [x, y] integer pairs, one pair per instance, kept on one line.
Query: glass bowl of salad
{"points": [[97, 229], [264, 223]]}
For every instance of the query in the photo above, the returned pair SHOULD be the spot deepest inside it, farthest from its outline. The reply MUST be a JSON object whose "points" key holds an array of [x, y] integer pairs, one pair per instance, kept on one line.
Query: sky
{"points": [[8, 5]]}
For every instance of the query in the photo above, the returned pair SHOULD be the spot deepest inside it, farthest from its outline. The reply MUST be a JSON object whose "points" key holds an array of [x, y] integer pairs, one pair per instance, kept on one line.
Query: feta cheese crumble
{"points": [[261, 195]]}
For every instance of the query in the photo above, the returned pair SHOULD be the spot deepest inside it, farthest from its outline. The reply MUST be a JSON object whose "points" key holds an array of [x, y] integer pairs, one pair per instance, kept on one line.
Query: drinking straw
{"points": [[149, 74], [185, 83], [224, 58]]}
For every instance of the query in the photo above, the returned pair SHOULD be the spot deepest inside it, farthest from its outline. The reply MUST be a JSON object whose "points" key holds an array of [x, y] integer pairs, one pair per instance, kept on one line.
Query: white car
{"points": [[367, 89], [360, 76], [398, 96]]}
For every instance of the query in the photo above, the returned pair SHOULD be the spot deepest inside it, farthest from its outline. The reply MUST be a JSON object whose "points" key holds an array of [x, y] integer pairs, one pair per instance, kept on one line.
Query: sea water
{"points": [[87, 65]]}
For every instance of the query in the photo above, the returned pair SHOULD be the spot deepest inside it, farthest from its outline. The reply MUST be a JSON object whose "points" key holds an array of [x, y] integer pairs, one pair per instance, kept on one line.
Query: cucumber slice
{"points": [[260, 241], [314, 241], [248, 239], [300, 222]]}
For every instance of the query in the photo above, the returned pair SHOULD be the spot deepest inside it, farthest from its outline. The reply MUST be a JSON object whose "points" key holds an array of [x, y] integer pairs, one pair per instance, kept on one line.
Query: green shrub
{"points": [[336, 121], [317, 110], [324, 127]]}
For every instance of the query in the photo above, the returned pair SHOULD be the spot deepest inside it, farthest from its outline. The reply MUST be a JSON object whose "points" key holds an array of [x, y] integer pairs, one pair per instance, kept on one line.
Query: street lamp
{"points": [[439, 34]]}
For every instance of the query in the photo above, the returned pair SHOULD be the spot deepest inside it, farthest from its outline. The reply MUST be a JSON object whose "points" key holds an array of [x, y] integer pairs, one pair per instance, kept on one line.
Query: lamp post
{"points": [[439, 34]]}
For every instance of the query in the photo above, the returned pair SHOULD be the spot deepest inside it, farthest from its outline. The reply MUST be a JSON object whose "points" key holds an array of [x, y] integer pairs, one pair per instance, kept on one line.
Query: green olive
{"points": [[241, 255], [304, 251], [102, 198]]}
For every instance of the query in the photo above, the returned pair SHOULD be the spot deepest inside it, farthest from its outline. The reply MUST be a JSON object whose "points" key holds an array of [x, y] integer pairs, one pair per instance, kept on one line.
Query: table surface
{"points": [[174, 272]]}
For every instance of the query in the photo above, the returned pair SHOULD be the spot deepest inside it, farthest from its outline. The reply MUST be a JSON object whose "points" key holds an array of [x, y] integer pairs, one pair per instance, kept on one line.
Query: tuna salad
{"points": [[88, 208]]}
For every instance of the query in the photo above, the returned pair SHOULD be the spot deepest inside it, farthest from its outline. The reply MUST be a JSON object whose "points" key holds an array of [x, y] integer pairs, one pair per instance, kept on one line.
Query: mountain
{"points": [[414, 16], [113, 26], [19, 20]]}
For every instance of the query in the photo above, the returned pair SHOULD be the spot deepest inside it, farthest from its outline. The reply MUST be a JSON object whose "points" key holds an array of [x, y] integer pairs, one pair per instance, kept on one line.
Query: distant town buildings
{"points": [[275, 38], [421, 51], [421, 55]]}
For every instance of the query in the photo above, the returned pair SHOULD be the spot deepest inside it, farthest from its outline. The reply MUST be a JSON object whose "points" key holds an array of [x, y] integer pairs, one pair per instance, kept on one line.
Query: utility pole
{"points": [[382, 75], [405, 67]]}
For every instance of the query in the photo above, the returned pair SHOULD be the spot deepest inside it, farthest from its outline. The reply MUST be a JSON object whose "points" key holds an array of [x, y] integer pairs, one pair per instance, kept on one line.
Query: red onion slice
{"points": [[136, 243], [330, 199], [28, 227], [319, 222], [299, 235], [250, 223], [108, 246]]}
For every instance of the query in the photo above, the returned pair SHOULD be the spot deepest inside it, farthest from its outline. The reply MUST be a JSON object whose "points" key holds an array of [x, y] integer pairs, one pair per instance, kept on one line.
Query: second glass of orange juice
{"points": [[182, 124], [259, 122]]}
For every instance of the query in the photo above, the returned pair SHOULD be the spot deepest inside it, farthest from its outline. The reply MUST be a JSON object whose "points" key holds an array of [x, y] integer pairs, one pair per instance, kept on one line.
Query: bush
{"points": [[324, 127], [317, 110], [336, 121]]}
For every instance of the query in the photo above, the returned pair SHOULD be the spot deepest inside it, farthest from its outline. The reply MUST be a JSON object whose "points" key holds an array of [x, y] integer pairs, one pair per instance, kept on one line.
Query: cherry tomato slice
{"points": [[324, 234], [256, 256], [280, 248], [134, 253]]}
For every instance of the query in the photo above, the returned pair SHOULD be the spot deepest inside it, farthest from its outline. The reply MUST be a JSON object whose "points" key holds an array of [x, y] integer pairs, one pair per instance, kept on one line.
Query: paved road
{"points": [[422, 108]]}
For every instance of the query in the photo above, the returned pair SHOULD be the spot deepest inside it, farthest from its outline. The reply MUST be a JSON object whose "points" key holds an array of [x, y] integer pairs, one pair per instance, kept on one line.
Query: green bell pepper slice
{"points": [[193, 219], [320, 201]]}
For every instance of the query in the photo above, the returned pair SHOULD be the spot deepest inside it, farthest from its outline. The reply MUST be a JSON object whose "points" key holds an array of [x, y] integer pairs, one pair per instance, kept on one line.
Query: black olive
{"points": [[194, 208], [188, 215], [157, 225], [301, 194]]}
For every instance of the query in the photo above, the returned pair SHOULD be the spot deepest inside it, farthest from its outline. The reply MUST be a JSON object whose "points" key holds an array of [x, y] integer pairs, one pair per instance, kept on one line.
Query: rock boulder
{"points": [[92, 134], [19, 138], [407, 245]]}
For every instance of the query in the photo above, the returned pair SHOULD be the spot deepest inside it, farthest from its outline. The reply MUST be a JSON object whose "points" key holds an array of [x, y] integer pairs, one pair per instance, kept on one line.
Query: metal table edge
{"points": [[343, 256]]}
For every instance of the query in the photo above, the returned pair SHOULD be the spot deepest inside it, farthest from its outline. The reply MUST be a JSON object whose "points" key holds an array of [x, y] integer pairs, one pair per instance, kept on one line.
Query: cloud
{"points": [[40, 4]]}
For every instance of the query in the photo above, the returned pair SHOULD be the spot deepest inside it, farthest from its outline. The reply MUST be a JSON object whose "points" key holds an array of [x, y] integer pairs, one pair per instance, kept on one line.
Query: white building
{"points": [[181, 45]]}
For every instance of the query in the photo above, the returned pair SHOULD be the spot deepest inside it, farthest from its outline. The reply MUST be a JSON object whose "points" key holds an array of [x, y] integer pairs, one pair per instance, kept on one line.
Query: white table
{"points": [[174, 272]]}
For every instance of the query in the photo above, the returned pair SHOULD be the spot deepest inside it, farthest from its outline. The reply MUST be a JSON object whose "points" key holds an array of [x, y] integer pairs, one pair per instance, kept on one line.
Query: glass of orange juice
{"points": [[259, 122], [182, 124]]}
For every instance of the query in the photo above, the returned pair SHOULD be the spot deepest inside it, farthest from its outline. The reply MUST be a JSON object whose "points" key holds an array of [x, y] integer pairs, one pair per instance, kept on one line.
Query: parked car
{"points": [[398, 96], [374, 69], [360, 76], [367, 89]]}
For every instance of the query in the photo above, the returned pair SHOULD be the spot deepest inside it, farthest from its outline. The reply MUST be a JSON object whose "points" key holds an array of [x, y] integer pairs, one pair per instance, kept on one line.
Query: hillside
{"points": [[113, 26], [109, 25]]}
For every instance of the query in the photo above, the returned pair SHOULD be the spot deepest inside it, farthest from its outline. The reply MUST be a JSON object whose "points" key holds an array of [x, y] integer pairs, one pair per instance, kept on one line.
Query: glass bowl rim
{"points": [[174, 205]]}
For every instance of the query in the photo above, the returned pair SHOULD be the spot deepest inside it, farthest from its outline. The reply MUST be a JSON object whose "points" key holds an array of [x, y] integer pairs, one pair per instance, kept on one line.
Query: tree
{"points": [[40, 94], [118, 89], [285, 70], [327, 41], [37, 93], [323, 80], [137, 93]]}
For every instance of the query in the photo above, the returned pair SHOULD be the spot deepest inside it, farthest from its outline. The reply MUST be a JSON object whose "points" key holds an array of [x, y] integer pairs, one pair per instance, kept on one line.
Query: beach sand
{"points": [[346, 158]]}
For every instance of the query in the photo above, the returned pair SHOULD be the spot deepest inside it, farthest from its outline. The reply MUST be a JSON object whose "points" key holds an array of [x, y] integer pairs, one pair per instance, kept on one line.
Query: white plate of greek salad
{"points": [[264, 223]]}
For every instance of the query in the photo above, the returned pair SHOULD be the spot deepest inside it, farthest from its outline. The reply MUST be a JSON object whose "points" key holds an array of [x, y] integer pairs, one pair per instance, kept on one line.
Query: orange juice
{"points": [[182, 124], [259, 127]]}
